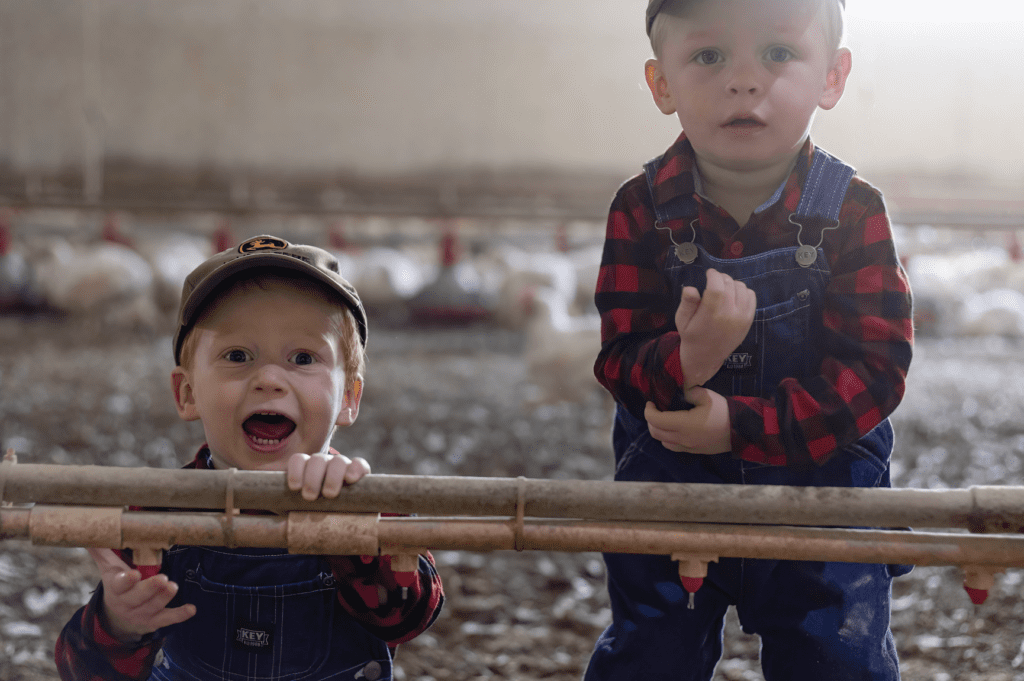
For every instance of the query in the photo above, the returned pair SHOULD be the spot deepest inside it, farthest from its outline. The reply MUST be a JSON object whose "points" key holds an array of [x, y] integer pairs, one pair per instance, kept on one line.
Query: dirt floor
{"points": [[461, 403]]}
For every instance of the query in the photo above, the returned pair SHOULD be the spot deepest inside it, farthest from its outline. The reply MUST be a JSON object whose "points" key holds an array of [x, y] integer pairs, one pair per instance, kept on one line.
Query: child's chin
{"points": [[275, 464], [274, 459]]}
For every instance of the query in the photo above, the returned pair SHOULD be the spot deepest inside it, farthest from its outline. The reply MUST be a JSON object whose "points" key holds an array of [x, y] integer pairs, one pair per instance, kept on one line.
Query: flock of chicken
{"points": [[966, 290], [133, 277]]}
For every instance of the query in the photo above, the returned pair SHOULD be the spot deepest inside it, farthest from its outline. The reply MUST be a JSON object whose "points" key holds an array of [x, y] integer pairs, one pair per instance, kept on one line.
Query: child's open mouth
{"points": [[744, 123], [267, 428]]}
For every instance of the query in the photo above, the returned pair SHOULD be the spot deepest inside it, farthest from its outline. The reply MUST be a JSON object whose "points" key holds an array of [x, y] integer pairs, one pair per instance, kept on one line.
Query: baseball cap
{"points": [[264, 252], [654, 6]]}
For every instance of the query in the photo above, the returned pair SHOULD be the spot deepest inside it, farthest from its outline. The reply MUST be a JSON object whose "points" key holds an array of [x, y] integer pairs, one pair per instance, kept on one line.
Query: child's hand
{"points": [[705, 429], [711, 328], [134, 606], [323, 474]]}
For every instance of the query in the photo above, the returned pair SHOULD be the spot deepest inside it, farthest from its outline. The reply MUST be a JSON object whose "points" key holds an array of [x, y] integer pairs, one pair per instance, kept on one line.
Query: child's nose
{"points": [[270, 377], [743, 78]]}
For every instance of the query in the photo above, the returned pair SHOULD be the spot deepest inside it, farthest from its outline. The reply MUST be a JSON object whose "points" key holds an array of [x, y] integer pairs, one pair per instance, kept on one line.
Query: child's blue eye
{"points": [[303, 358], [779, 55], [708, 57], [237, 356]]}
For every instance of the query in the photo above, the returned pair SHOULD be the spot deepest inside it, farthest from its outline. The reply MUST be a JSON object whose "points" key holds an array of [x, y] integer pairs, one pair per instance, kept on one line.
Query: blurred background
{"points": [[459, 158], [133, 104]]}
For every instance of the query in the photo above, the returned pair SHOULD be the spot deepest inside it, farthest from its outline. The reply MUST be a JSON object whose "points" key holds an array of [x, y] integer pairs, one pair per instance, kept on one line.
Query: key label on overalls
{"points": [[251, 636]]}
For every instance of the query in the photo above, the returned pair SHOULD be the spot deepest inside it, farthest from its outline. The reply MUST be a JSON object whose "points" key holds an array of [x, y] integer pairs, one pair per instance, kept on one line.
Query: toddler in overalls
{"points": [[270, 355], [756, 329]]}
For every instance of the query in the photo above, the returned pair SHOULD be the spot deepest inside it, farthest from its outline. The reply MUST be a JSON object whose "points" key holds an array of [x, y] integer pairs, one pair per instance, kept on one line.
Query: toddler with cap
{"points": [[756, 329], [270, 356]]}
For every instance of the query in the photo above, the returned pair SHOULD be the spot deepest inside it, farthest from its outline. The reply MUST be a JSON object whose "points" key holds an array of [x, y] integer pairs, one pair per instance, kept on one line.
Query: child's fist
{"points": [[134, 606], [323, 474], [711, 327]]}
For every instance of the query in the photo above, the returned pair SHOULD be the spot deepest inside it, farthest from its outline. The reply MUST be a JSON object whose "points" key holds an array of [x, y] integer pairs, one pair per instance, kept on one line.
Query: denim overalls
{"points": [[817, 621], [263, 615]]}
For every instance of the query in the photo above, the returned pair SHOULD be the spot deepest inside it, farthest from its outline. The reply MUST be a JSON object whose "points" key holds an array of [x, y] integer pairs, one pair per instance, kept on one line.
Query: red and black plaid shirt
{"points": [[86, 651], [868, 329]]}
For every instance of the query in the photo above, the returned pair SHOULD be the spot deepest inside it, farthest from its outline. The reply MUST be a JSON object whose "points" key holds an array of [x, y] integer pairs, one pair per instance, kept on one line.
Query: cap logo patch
{"points": [[263, 243]]}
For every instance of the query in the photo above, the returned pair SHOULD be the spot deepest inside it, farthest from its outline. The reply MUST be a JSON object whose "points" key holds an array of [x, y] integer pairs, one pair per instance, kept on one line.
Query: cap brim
{"points": [[270, 260]]}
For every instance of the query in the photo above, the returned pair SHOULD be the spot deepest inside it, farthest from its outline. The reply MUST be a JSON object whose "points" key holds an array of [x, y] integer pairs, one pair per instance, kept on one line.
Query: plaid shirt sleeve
{"points": [[392, 608], [868, 341], [370, 592], [639, 357], [867, 345], [87, 651]]}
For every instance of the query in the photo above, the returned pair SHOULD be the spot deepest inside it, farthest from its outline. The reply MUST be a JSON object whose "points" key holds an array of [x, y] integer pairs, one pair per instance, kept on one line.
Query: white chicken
{"points": [[941, 282], [561, 348], [997, 312], [108, 280], [586, 261], [17, 286], [1008, 275], [386, 276], [524, 274], [172, 255]]}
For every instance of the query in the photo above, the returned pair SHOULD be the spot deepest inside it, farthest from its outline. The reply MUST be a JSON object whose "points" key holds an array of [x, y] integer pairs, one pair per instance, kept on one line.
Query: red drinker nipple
{"points": [[978, 596]]}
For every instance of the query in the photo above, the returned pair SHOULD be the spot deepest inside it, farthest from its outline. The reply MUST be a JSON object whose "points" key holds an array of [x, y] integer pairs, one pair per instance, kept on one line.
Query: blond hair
{"points": [[834, 21], [342, 322]]}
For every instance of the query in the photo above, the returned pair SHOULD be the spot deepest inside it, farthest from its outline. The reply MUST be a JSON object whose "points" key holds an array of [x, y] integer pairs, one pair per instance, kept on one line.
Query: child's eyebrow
{"points": [[699, 38], [788, 31], [792, 27], [700, 34]]}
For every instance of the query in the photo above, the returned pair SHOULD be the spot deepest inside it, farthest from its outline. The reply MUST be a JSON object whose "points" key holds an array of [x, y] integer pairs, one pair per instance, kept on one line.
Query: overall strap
{"points": [[822, 196], [821, 201], [825, 187], [681, 207], [651, 172]]}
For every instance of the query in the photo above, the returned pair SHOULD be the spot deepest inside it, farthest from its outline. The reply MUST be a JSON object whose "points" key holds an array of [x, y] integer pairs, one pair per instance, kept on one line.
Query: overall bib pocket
{"points": [[775, 348], [245, 632]]}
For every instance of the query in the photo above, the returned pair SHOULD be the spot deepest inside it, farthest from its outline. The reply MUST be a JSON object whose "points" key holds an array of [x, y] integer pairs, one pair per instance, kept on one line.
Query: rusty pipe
{"points": [[979, 509], [340, 534]]}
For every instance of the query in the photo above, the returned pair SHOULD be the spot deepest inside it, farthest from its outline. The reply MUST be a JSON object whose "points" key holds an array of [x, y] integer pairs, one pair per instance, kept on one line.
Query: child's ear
{"points": [[184, 399], [350, 404], [835, 80], [659, 86]]}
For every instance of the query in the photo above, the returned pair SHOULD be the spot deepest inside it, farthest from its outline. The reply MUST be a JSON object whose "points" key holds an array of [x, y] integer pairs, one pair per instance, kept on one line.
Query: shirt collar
{"points": [[204, 459], [678, 175]]}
